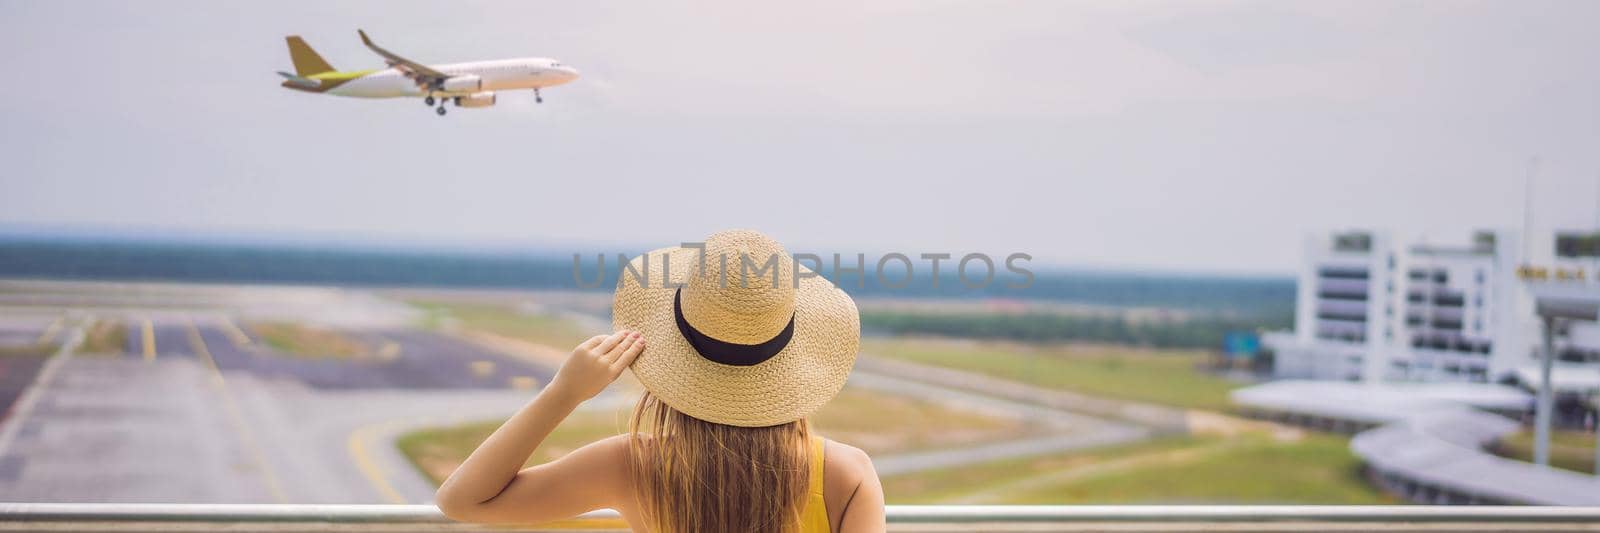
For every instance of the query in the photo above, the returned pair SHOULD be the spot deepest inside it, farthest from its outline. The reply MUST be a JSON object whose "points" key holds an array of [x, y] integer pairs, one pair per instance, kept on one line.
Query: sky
{"points": [[1184, 136]]}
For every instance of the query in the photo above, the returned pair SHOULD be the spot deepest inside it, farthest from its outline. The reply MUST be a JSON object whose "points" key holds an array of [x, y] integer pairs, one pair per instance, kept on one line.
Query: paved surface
{"points": [[22, 330], [1160, 418], [1438, 457], [16, 374], [210, 417], [415, 360], [20, 334], [407, 359], [125, 430]]}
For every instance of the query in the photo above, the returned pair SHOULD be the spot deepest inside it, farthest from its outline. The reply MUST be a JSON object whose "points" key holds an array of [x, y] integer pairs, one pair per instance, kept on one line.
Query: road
{"points": [[1069, 431]]}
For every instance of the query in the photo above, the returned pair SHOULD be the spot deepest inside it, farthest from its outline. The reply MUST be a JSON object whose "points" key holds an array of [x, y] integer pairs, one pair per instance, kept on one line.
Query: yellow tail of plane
{"points": [[306, 60]]}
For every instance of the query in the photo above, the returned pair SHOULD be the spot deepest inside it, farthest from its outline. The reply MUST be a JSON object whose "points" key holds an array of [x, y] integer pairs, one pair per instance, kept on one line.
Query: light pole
{"points": [[1542, 413]]}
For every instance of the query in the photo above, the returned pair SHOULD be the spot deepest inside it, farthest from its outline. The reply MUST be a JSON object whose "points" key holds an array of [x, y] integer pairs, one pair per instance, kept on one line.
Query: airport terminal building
{"points": [[1375, 308]]}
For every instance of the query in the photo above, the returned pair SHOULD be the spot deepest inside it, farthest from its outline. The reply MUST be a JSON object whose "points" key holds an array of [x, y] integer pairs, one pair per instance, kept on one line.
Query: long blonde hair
{"points": [[693, 476]]}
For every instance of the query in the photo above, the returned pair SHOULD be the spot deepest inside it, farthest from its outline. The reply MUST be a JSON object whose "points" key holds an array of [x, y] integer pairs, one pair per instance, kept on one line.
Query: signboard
{"points": [[1241, 344]]}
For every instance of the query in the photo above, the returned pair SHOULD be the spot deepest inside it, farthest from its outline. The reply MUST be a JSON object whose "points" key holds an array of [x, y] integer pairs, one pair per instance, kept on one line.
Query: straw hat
{"points": [[727, 344]]}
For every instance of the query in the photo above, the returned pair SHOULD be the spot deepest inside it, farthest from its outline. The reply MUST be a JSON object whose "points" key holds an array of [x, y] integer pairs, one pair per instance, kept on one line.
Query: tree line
{"points": [[1200, 331]]}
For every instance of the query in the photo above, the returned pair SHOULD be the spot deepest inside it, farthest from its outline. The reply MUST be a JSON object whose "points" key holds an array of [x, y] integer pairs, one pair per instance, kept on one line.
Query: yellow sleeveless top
{"points": [[814, 517]]}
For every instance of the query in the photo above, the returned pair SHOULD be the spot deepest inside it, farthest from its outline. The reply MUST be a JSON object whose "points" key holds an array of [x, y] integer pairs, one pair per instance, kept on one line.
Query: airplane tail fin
{"points": [[306, 60]]}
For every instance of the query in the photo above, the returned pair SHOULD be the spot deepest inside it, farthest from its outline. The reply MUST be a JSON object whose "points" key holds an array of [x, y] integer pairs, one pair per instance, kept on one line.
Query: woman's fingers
{"points": [[629, 355], [621, 347], [610, 342], [592, 342]]}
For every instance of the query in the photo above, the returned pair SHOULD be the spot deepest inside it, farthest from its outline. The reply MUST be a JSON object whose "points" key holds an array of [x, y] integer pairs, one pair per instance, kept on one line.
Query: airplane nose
{"points": [[572, 73]]}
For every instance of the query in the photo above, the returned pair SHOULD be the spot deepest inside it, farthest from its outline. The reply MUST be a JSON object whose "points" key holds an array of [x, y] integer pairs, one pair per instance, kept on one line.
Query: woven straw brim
{"points": [[792, 384]]}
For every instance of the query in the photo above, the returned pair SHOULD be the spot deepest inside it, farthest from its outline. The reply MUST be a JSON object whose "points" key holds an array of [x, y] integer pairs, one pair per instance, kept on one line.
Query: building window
{"points": [[1340, 272]]}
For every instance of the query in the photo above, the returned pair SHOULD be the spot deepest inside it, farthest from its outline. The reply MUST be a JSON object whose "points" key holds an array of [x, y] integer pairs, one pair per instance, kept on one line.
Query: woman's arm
{"points": [[491, 485], [863, 511]]}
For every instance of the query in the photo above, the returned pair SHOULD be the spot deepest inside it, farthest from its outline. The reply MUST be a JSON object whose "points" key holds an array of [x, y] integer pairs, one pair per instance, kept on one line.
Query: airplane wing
{"points": [[425, 77]]}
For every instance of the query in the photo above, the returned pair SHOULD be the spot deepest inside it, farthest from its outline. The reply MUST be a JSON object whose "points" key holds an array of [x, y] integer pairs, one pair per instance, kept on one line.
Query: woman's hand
{"points": [[596, 363]]}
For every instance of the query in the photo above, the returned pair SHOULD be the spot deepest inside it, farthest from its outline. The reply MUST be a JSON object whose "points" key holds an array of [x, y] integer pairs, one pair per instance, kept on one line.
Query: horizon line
{"points": [[493, 247]]}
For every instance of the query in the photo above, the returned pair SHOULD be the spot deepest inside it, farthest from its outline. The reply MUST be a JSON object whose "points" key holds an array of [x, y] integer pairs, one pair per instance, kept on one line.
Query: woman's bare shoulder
{"points": [[610, 449], [844, 466], [847, 473]]}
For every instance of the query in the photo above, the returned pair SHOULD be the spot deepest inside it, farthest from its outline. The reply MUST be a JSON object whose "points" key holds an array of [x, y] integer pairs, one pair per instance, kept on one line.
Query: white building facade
{"points": [[1375, 308]]}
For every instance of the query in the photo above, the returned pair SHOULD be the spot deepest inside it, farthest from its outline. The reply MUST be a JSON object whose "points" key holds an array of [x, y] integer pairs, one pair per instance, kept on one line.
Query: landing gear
{"points": [[428, 101], [536, 98], [440, 110]]}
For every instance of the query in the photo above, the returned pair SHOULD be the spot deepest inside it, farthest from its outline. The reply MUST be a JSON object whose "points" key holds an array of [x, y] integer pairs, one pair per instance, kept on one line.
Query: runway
{"points": [[408, 358], [208, 416]]}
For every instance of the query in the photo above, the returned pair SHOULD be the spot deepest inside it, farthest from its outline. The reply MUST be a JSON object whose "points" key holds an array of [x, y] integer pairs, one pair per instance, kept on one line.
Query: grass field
{"points": [[43, 345], [105, 337], [308, 341], [1251, 469], [1572, 450], [437, 452], [541, 328], [876, 422], [27, 350], [1165, 377]]}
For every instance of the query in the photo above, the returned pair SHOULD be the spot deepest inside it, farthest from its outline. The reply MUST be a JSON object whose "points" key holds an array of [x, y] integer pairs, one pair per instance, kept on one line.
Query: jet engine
{"points": [[483, 99], [463, 83]]}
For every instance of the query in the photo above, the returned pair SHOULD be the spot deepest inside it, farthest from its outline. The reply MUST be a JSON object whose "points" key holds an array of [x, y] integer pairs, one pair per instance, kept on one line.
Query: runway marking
{"points": [[51, 331], [148, 332], [357, 444], [234, 334], [524, 382], [235, 416], [482, 369], [389, 351]]}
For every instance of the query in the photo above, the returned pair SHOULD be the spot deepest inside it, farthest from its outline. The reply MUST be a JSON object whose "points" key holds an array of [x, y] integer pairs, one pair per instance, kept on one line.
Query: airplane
{"points": [[468, 85]]}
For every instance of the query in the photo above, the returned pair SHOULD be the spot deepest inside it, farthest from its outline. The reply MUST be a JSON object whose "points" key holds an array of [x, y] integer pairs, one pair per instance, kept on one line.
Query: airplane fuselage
{"points": [[469, 84], [492, 75]]}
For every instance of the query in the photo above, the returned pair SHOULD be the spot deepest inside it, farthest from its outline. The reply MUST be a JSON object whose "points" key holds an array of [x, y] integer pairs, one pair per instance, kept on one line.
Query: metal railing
{"points": [[390, 518]]}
